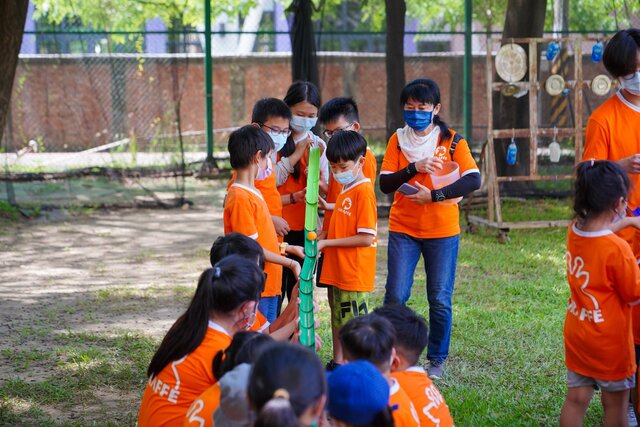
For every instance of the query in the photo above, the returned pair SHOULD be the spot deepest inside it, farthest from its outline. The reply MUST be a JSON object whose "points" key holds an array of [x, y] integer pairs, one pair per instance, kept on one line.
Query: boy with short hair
{"points": [[411, 338], [370, 338], [350, 246], [246, 212], [273, 116], [342, 114]]}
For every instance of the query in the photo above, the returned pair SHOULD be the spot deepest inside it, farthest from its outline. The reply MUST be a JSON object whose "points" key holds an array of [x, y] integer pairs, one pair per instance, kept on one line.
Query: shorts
{"points": [[347, 305], [574, 380]]}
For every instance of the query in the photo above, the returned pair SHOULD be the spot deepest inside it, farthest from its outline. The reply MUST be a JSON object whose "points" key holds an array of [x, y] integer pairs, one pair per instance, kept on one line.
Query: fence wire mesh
{"points": [[88, 107]]}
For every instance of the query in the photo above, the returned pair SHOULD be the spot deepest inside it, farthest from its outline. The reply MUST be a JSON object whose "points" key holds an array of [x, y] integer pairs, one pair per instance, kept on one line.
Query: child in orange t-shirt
{"points": [[350, 246], [244, 349], [246, 212], [371, 338], [224, 303], [411, 338], [605, 282]]}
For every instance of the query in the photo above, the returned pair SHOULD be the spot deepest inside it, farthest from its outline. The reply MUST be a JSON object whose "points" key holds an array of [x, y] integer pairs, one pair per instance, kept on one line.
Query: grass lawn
{"points": [[505, 368]]}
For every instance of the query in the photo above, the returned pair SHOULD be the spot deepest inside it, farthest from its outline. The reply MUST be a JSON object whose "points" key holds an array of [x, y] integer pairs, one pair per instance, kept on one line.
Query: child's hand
{"points": [[295, 268], [322, 204], [299, 196], [295, 250], [322, 235], [321, 245], [281, 225], [302, 146], [429, 164]]}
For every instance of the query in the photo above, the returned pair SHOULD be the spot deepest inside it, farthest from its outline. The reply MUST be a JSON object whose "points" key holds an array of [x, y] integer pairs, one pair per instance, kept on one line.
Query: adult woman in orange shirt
{"points": [[225, 302], [613, 133], [421, 224]]}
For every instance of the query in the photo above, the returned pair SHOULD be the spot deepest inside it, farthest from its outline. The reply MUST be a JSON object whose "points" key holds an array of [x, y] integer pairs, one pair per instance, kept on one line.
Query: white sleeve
{"points": [[282, 170], [324, 163]]}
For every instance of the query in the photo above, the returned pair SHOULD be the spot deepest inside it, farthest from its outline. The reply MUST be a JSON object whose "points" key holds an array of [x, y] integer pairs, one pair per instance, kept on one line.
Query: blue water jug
{"points": [[552, 51], [512, 153], [596, 52]]}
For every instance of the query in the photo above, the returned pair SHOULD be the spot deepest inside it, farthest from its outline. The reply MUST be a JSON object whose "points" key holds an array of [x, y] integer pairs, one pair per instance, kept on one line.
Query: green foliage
{"points": [[131, 15]]}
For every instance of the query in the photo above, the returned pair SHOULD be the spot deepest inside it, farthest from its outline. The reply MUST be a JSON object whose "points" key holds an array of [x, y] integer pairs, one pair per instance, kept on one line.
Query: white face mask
{"points": [[631, 83], [346, 178], [303, 124], [279, 140]]}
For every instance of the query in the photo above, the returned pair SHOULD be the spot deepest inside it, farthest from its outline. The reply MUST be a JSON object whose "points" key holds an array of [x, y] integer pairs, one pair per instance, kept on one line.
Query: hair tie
{"points": [[216, 272], [281, 394]]}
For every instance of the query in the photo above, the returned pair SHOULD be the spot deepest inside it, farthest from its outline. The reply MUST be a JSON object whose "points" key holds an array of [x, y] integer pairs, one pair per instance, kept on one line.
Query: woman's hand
{"points": [[422, 197], [631, 164], [429, 164]]}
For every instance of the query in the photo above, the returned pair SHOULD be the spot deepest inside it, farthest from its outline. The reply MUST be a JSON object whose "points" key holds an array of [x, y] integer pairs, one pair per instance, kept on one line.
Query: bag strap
{"points": [[456, 138]]}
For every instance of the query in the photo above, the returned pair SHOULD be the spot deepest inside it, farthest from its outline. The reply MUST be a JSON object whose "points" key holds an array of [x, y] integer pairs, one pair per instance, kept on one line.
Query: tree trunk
{"points": [[524, 18], [13, 14], [304, 61], [395, 14]]}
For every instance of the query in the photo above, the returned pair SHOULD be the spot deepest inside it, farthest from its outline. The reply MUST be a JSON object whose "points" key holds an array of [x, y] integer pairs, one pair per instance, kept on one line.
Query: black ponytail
{"points": [[383, 418], [425, 91], [221, 289], [299, 91], [285, 381], [598, 187], [244, 348]]}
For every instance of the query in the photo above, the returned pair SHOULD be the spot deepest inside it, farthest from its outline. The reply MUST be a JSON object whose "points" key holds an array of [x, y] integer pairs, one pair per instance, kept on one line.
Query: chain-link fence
{"points": [[131, 105]]}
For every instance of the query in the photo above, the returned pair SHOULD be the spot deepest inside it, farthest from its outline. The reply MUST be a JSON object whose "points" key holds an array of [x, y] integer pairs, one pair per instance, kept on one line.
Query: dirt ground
{"points": [[69, 285]]}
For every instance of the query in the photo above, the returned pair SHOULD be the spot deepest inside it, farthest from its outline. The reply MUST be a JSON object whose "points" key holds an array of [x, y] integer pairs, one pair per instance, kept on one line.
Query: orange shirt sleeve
{"points": [[370, 167], [627, 276], [463, 157], [367, 213], [596, 142], [390, 163], [239, 216]]}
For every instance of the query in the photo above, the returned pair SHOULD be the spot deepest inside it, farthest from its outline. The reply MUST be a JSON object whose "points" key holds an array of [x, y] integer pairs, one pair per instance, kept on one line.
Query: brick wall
{"points": [[72, 103]]}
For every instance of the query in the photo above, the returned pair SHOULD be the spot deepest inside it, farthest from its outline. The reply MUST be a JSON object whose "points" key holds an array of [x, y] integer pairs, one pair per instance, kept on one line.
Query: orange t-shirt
{"points": [[427, 400], [246, 212], [261, 324], [266, 187], [432, 220], [369, 169], [168, 395], [613, 133], [604, 280], [403, 411], [200, 414], [352, 269]]}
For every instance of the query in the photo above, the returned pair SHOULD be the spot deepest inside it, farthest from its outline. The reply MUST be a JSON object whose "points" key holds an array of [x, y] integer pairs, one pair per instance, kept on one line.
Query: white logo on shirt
{"points": [[575, 268], [346, 204]]}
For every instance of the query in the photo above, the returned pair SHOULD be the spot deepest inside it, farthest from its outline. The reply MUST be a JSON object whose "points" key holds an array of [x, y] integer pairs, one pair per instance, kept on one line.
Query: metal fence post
{"points": [[208, 80], [467, 71]]}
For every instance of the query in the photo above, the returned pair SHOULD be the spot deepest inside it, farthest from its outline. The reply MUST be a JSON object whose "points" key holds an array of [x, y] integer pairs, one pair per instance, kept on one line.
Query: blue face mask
{"points": [[279, 140], [302, 124], [418, 120], [346, 178]]}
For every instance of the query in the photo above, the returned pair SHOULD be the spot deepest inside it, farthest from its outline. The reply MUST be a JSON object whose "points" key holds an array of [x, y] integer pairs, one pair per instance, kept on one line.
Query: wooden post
{"points": [[577, 52], [533, 108], [490, 156]]}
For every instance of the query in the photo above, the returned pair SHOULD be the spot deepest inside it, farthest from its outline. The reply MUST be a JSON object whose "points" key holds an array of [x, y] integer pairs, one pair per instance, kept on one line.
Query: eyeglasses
{"points": [[329, 133], [285, 132]]}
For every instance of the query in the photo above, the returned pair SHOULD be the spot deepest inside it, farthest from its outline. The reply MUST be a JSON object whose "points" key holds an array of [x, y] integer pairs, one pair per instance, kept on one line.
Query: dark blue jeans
{"points": [[440, 258]]}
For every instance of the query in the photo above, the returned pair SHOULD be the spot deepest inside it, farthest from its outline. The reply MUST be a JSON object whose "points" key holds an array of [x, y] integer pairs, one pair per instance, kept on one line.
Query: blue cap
{"points": [[357, 392]]}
